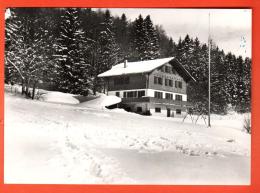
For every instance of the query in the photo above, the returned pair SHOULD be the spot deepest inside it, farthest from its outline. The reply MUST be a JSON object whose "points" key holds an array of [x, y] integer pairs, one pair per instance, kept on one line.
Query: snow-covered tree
{"points": [[27, 49], [105, 50], [171, 48], [139, 39], [152, 46], [71, 66]]}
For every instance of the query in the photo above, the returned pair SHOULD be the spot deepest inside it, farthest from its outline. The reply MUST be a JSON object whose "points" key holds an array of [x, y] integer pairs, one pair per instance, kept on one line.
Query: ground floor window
{"points": [[118, 94], [157, 109], [139, 109], [178, 111]]}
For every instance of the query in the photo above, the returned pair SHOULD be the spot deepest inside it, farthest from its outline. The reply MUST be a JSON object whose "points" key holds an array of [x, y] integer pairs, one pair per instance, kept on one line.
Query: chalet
{"points": [[150, 87]]}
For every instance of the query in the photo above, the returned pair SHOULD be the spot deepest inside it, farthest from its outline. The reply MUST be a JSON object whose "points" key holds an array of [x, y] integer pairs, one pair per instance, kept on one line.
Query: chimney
{"points": [[125, 63]]}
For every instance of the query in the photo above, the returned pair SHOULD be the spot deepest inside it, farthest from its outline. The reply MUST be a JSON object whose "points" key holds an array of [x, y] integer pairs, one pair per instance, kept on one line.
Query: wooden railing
{"points": [[156, 100]]}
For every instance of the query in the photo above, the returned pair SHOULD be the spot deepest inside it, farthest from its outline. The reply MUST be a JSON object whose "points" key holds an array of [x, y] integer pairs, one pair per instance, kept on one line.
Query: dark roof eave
{"points": [[186, 72]]}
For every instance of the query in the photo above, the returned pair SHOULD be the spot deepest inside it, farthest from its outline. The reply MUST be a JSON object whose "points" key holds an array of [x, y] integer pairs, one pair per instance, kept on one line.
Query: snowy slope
{"points": [[57, 143]]}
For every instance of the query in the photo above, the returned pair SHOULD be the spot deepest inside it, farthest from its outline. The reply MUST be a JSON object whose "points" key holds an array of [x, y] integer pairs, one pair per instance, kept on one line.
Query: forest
{"points": [[67, 48]]}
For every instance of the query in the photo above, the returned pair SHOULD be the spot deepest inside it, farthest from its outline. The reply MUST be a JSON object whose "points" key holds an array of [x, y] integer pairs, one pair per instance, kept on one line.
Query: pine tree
{"points": [[106, 49], [171, 48], [247, 84], [152, 46], [164, 43], [139, 40], [122, 36], [71, 68], [218, 81]]}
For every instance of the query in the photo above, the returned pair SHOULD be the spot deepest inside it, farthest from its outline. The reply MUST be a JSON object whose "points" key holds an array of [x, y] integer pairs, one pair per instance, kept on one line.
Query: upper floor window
{"points": [[168, 82], [178, 97], [162, 69], [158, 95], [157, 80], [168, 69], [178, 84], [121, 80]]}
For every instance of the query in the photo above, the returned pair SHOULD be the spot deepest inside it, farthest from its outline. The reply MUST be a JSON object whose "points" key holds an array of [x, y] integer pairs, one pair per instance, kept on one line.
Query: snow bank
{"points": [[101, 102], [59, 97]]}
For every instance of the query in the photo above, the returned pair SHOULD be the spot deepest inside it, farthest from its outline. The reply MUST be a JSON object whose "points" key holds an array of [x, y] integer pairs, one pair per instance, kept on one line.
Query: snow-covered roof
{"points": [[139, 67], [135, 67]]}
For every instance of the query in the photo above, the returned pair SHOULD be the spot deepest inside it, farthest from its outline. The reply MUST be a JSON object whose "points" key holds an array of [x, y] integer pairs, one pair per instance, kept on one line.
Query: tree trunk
{"points": [[23, 87], [94, 87], [34, 87], [27, 93]]}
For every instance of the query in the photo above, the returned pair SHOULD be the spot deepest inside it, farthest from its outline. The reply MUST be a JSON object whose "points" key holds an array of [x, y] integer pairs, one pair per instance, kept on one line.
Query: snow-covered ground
{"points": [[54, 143]]}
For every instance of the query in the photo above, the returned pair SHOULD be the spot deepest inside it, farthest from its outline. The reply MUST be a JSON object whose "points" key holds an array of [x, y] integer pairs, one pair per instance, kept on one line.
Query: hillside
{"points": [[59, 143]]}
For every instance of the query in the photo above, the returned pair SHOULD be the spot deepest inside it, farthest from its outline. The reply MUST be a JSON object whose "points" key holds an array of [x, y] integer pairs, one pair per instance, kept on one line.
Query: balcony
{"points": [[155, 100]]}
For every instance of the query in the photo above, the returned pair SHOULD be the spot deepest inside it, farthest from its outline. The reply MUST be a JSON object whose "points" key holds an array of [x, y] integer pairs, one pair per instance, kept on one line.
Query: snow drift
{"points": [[59, 97], [101, 102]]}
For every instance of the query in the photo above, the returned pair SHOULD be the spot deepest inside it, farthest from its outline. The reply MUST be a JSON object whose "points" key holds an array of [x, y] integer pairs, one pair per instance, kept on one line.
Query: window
{"points": [[139, 109], [168, 69], [131, 94], [178, 84], [168, 82], [124, 94], [169, 96], [173, 71], [157, 109], [160, 80], [158, 95], [162, 69], [118, 94], [178, 111], [157, 80], [178, 97], [141, 93], [121, 80]]}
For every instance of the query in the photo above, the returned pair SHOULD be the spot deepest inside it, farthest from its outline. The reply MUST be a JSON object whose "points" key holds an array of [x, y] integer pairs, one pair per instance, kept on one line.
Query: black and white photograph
{"points": [[127, 96]]}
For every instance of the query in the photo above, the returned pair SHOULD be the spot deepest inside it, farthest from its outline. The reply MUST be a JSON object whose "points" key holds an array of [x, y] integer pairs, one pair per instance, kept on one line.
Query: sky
{"points": [[230, 28]]}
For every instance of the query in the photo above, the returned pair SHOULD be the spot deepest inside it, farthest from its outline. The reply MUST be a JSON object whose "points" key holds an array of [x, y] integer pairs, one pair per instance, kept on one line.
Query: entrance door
{"points": [[168, 112]]}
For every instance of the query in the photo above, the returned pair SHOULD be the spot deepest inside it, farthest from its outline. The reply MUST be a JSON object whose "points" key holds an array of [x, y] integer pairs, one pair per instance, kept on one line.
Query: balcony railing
{"points": [[155, 100]]}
